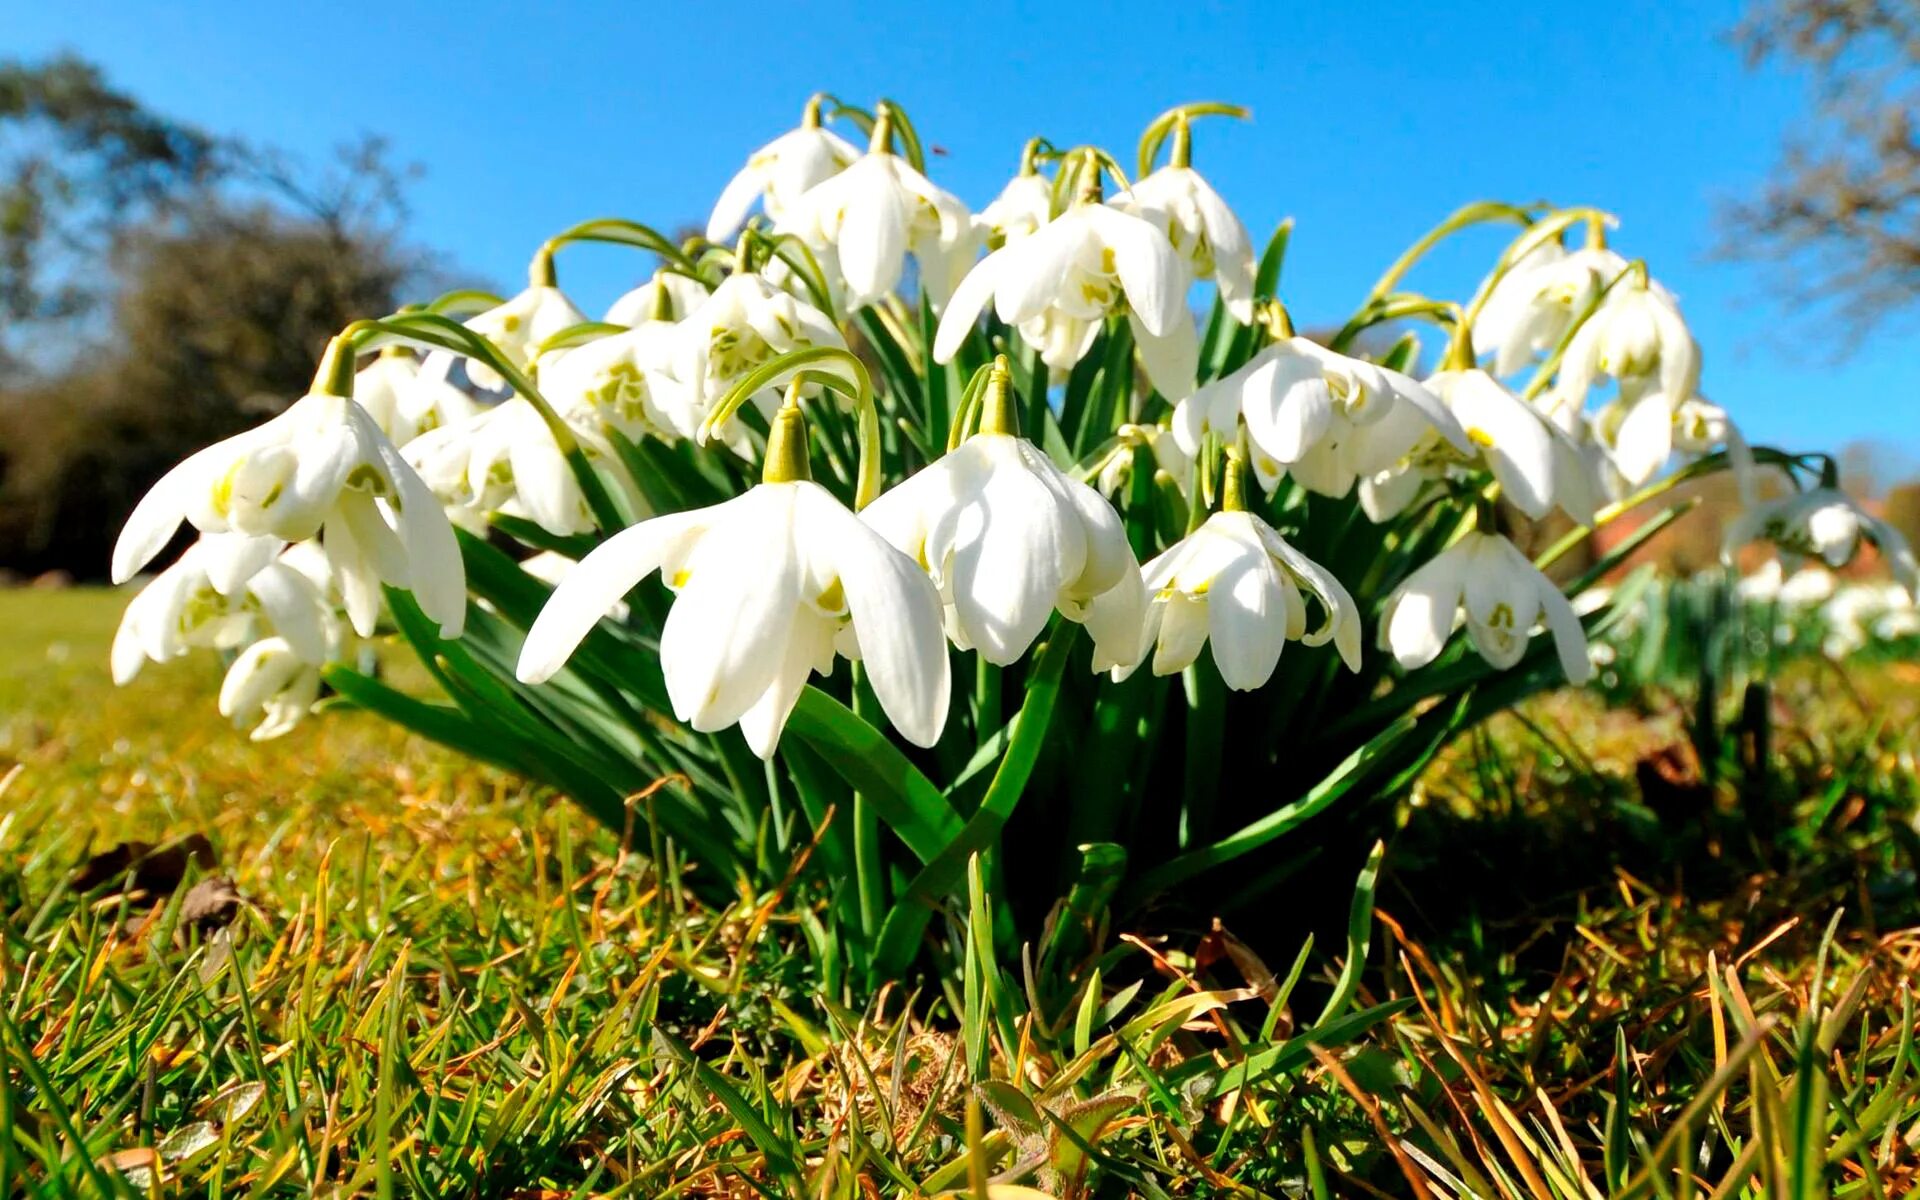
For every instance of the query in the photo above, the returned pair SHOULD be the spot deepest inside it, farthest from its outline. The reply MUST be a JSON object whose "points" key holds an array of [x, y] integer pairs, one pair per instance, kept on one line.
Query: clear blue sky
{"points": [[1370, 123]]}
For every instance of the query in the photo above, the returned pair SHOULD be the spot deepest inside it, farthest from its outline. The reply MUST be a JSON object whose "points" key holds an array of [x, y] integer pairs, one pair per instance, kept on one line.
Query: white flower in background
{"points": [[1537, 466], [1823, 523], [1638, 338], [224, 591], [1057, 284], [1809, 587], [743, 324], [1534, 304], [1202, 229], [1898, 624], [1762, 586], [270, 686], [406, 399], [1502, 597], [667, 297], [1008, 538], [1169, 458], [778, 174], [872, 216], [769, 585], [1021, 208], [623, 381], [504, 459], [517, 326], [1297, 396], [1638, 438], [1236, 583], [321, 467]]}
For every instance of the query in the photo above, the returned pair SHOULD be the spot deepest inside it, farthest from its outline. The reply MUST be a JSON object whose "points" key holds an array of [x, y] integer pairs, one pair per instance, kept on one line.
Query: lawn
{"points": [[1583, 972]]}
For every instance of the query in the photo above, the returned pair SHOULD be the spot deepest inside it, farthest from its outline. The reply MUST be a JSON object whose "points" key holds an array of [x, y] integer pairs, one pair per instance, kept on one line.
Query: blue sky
{"points": [[1370, 123]]}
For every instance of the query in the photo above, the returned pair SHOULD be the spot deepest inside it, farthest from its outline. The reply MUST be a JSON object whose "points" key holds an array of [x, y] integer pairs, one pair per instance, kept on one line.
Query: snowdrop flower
{"points": [[1823, 523], [1236, 583], [221, 592], [743, 324], [1537, 466], [270, 686], [623, 381], [1898, 624], [779, 173], [504, 459], [321, 467], [1008, 538], [1532, 306], [1057, 284], [516, 327], [875, 213], [1021, 208], [668, 296], [1638, 338], [1297, 396], [1808, 587], [769, 585], [1202, 229], [1502, 597], [406, 399]]}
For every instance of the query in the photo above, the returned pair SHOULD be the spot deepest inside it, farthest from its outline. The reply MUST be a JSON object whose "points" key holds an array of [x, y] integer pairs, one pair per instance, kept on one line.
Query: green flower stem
{"points": [[1175, 122], [835, 368], [335, 374], [1478, 213]]}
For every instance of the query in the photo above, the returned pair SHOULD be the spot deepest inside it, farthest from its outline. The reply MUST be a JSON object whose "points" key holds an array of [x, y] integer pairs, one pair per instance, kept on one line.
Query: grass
{"points": [[1583, 972]]}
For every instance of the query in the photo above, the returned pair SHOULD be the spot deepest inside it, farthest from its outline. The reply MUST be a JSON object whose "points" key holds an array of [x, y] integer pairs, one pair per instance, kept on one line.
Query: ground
{"points": [[1589, 973]]}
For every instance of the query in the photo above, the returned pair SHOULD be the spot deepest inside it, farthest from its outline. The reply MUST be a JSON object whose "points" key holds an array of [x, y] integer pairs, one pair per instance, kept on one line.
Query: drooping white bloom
{"points": [[875, 213], [1538, 467], [321, 467], [745, 322], [1823, 523], [1236, 583], [1202, 229], [406, 399], [224, 591], [1534, 304], [769, 585], [668, 296], [623, 381], [270, 686], [1638, 338], [1298, 398], [504, 459], [1060, 282], [1502, 596], [777, 175], [1021, 208], [517, 326], [1007, 538]]}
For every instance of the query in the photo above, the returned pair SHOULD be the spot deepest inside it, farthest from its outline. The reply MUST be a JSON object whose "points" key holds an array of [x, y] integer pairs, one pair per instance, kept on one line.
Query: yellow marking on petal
{"points": [[833, 600], [1479, 436], [679, 579]]}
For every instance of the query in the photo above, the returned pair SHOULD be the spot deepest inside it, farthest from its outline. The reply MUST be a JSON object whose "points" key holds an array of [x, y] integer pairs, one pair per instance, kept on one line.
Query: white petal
{"points": [[1035, 269], [896, 617], [1183, 631], [1288, 406], [1247, 622], [727, 634], [598, 583], [736, 200], [1150, 272], [1172, 357], [873, 242], [1420, 614], [809, 648], [1569, 639], [964, 308]]}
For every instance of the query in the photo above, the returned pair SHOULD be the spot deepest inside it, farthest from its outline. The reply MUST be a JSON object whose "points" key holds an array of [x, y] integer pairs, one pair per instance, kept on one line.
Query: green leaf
{"points": [[863, 756], [779, 1155]]}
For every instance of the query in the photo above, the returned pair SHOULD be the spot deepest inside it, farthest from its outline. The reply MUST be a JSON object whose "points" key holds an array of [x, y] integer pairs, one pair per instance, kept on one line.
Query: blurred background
{"points": [[192, 198]]}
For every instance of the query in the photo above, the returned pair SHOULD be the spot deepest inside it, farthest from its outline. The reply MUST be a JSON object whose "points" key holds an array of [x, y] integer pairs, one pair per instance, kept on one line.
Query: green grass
{"points": [[1574, 983]]}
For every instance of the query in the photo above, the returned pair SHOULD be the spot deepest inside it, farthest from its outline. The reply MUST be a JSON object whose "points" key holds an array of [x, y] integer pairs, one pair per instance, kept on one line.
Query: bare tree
{"points": [[1841, 214]]}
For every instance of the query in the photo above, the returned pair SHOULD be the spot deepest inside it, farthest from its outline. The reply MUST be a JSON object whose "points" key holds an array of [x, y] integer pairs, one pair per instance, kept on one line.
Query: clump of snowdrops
{"points": [[899, 537]]}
